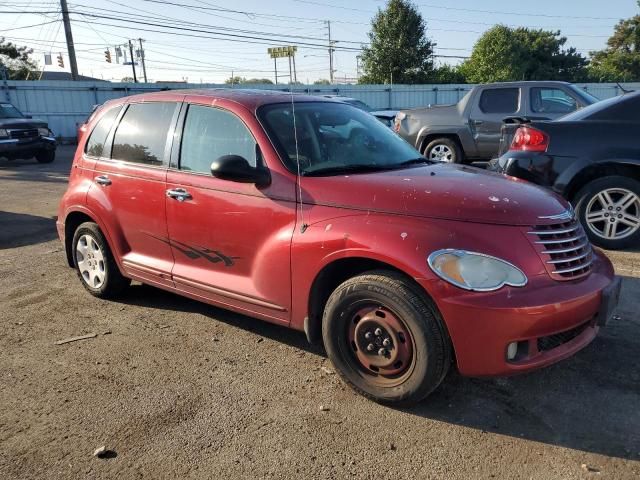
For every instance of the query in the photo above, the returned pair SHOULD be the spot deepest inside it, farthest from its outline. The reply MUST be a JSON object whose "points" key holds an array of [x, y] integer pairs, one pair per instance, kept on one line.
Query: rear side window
{"points": [[95, 144], [500, 100], [209, 133], [141, 136]]}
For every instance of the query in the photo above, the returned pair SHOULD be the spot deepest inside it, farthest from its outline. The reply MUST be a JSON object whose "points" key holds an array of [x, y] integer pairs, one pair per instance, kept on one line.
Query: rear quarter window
{"points": [[500, 100], [95, 144], [141, 136]]}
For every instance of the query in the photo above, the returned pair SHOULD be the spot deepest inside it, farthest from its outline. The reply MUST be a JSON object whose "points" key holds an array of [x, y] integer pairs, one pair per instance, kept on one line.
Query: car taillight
{"points": [[529, 139]]}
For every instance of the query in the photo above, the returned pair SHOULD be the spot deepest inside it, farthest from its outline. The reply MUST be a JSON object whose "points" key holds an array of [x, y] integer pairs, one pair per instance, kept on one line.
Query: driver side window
{"points": [[208, 134]]}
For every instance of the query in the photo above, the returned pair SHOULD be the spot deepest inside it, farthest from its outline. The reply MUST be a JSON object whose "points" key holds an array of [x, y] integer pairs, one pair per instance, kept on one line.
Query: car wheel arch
{"points": [[429, 137], [596, 170], [73, 219], [338, 271]]}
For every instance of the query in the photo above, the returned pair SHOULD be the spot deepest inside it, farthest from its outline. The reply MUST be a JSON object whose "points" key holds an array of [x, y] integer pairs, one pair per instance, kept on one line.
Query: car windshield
{"points": [[9, 111], [332, 138]]}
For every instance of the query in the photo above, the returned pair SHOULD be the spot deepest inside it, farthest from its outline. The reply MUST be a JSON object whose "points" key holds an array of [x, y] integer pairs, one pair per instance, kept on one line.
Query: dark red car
{"points": [[312, 214]]}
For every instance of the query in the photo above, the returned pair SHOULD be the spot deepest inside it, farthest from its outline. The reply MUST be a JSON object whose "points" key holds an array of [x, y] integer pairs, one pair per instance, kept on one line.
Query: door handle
{"points": [[103, 180], [476, 122], [179, 194]]}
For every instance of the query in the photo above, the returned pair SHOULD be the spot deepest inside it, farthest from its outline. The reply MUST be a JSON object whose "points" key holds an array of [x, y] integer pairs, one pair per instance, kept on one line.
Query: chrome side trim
{"points": [[228, 294]]}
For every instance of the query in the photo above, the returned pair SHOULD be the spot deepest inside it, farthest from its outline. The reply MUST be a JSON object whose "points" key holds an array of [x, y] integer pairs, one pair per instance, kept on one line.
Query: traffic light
{"points": [[107, 56], [60, 61]]}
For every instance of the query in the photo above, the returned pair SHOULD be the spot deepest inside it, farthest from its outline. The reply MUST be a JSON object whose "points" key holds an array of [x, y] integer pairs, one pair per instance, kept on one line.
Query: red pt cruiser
{"points": [[312, 214]]}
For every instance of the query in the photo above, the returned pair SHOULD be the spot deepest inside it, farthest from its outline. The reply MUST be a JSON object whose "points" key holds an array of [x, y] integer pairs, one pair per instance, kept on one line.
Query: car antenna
{"points": [[624, 90], [303, 226]]}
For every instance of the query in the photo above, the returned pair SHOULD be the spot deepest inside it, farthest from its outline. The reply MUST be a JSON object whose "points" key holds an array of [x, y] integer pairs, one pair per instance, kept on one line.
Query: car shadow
{"points": [[151, 297], [588, 402], [21, 229]]}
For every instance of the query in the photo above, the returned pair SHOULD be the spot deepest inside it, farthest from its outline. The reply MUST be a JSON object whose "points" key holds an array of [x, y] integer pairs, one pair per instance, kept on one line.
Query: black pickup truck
{"points": [[470, 129], [23, 137]]}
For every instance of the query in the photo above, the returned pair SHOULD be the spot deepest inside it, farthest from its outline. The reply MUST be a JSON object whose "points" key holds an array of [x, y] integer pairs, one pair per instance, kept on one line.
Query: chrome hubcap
{"points": [[614, 213], [441, 153], [90, 261]]}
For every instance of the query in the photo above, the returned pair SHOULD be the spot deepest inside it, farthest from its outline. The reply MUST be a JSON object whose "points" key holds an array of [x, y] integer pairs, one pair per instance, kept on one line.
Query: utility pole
{"points": [[275, 68], [133, 63], [290, 72], [330, 52], [71, 50], [144, 67], [295, 74]]}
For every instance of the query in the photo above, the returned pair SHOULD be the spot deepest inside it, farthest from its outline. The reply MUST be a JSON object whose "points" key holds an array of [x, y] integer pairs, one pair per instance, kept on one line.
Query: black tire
{"points": [[46, 156], [451, 145], [590, 192], [431, 345], [114, 282]]}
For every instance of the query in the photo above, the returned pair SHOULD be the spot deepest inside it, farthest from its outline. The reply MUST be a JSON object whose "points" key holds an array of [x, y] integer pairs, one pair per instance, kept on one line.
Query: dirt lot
{"points": [[177, 389]]}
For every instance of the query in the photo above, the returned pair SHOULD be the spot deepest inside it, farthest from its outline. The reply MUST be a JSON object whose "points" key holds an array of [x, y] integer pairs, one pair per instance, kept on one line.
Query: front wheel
{"points": [[46, 156], [385, 338], [95, 264], [609, 209]]}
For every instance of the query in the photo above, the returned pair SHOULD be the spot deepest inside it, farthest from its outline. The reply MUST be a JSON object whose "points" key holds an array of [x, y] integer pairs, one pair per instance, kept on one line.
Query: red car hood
{"points": [[438, 191]]}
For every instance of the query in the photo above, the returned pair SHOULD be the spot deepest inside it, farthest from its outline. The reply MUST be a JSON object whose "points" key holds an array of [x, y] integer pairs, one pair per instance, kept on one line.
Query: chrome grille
{"points": [[23, 133], [564, 248]]}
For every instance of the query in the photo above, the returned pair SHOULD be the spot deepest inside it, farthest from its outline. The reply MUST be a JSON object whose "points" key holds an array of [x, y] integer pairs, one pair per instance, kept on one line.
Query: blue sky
{"points": [[453, 25]]}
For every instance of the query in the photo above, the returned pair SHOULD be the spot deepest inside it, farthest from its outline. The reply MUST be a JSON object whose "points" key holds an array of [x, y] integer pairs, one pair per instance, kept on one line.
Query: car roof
{"points": [[249, 98], [524, 82]]}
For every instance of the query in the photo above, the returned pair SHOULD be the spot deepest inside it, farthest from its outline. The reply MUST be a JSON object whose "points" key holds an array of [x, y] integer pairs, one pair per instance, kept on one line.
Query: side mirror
{"points": [[237, 169]]}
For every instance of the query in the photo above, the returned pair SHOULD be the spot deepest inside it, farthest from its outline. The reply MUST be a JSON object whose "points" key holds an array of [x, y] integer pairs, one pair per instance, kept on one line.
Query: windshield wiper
{"points": [[346, 169], [415, 161]]}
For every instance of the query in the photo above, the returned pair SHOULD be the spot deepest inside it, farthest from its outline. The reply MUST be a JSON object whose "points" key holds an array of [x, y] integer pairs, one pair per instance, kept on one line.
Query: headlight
{"points": [[475, 271], [43, 132], [3, 132]]}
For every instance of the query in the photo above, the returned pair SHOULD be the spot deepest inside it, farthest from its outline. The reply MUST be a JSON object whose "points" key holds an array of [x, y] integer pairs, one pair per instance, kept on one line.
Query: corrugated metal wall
{"points": [[66, 104]]}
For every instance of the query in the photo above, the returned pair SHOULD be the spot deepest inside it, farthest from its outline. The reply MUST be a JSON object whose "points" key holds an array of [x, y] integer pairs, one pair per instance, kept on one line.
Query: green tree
{"points": [[322, 81], [448, 74], [242, 80], [620, 61], [505, 54], [399, 50], [16, 60]]}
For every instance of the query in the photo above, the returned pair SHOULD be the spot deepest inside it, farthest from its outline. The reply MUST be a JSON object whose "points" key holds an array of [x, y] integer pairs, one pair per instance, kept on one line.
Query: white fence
{"points": [[66, 104]]}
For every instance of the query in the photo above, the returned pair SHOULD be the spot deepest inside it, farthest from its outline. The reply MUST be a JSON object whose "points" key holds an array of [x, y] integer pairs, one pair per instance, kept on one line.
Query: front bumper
{"points": [[551, 320], [16, 148]]}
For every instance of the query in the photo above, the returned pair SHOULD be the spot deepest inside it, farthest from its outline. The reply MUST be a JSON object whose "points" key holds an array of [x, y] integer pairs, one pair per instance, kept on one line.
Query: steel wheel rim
{"points": [[441, 153], [376, 325], [90, 261], [614, 213]]}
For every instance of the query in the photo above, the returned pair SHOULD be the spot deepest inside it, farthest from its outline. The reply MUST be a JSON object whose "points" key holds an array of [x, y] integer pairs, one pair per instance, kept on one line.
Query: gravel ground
{"points": [[177, 389]]}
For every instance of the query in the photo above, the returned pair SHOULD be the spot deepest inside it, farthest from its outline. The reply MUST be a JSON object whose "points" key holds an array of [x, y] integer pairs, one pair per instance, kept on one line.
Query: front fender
{"points": [[402, 242]]}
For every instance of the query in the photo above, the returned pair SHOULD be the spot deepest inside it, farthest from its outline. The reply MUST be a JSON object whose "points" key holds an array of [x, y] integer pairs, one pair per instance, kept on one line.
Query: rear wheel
{"points": [[443, 150], [95, 264], [609, 209], [385, 338], [46, 156]]}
